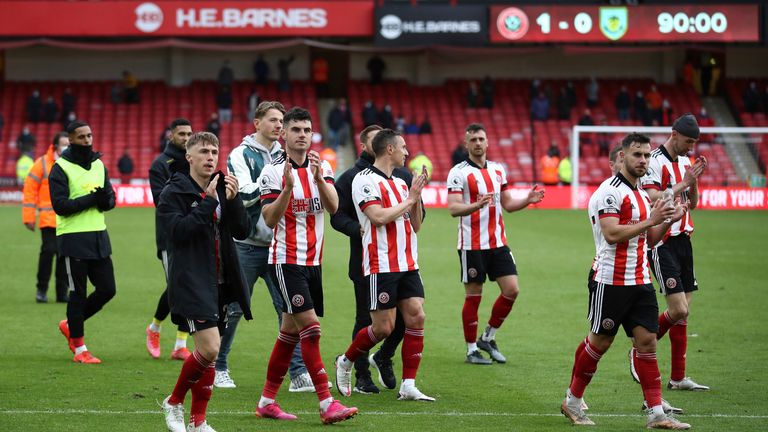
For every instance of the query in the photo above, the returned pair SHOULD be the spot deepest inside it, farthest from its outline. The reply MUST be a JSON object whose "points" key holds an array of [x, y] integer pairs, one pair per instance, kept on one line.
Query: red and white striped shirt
{"points": [[298, 236], [663, 173], [624, 263], [484, 228], [390, 248]]}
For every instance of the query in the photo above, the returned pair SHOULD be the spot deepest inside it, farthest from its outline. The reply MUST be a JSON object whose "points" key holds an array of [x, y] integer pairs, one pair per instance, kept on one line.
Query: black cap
{"points": [[687, 125]]}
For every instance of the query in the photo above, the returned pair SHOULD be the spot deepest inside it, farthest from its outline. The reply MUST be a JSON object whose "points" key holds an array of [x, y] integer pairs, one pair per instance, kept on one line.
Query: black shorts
{"points": [[672, 265], [476, 264], [386, 289], [199, 325], [629, 306], [301, 287]]}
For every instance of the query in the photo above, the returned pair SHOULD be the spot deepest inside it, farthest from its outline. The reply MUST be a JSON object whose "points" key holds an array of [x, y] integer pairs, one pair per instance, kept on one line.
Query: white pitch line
{"points": [[373, 413]]}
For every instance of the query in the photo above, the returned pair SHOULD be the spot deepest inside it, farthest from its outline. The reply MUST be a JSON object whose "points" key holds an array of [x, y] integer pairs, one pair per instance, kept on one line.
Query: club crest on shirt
{"points": [[297, 300], [383, 298], [671, 283], [608, 324], [498, 178]]}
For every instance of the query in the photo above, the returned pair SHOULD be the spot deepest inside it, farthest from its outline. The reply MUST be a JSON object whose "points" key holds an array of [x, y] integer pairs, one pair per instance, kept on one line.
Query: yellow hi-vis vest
{"points": [[81, 183]]}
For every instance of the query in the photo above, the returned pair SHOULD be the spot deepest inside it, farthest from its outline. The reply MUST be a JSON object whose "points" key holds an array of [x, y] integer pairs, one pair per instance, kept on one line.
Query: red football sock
{"points": [[678, 339], [650, 379], [665, 323], [78, 342], [579, 350], [584, 368], [364, 341], [500, 310], [191, 371], [201, 394], [413, 345], [469, 316], [279, 361], [310, 353]]}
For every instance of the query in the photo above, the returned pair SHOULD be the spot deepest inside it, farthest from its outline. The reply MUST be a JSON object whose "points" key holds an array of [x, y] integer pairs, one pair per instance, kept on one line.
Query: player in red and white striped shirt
{"points": [[624, 225], [390, 215], [670, 169], [295, 191], [477, 194]]}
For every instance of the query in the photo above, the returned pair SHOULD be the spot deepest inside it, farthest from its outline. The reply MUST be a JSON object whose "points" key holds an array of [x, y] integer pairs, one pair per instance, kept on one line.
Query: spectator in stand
{"points": [[563, 105], [339, 121], [565, 171], [370, 114], [472, 95], [751, 99], [130, 88], [623, 103], [459, 154], [70, 118], [26, 142], [376, 68], [641, 109], [593, 92], [487, 89], [687, 73], [125, 168], [705, 121], [252, 103], [534, 90], [540, 107], [571, 92], [68, 102], [426, 127], [548, 165], [667, 115], [116, 93], [386, 120], [213, 125], [764, 98], [34, 106], [603, 140], [284, 73], [400, 124], [226, 75], [23, 166], [224, 103], [654, 100], [260, 71], [586, 119], [51, 110], [412, 128]]}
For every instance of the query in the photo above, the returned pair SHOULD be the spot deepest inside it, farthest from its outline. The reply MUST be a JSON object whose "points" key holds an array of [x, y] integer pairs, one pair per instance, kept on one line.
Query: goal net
{"points": [[729, 151]]}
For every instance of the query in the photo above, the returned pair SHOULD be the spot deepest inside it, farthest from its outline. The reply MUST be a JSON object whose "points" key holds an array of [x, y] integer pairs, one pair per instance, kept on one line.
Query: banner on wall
{"points": [[186, 18], [431, 25], [436, 196]]}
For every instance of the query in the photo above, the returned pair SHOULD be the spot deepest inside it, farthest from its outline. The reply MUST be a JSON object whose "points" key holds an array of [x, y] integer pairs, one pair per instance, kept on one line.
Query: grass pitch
{"points": [[42, 390]]}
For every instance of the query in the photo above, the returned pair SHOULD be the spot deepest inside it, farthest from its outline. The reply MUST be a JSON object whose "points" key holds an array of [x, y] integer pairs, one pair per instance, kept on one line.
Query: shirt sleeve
{"points": [[455, 182], [608, 203], [504, 180], [364, 192], [327, 172], [270, 184], [652, 178]]}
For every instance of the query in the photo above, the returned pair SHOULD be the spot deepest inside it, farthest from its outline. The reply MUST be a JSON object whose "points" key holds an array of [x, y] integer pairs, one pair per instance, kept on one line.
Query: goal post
{"points": [[658, 134]]}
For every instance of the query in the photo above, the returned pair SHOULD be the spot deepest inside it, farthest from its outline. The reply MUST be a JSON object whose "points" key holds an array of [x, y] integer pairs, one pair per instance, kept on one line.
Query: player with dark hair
{"points": [[345, 221], [624, 224], [171, 160], [671, 171], [390, 215], [80, 194], [202, 213], [296, 191], [478, 191]]}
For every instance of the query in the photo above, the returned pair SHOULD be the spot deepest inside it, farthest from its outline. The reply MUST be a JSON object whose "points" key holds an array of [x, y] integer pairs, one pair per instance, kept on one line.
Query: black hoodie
{"points": [[171, 160], [194, 290], [84, 245]]}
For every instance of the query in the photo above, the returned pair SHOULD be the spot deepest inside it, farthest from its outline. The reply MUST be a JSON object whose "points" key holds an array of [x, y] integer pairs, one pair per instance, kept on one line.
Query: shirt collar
{"points": [[666, 153], [294, 164], [472, 163], [624, 180]]}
